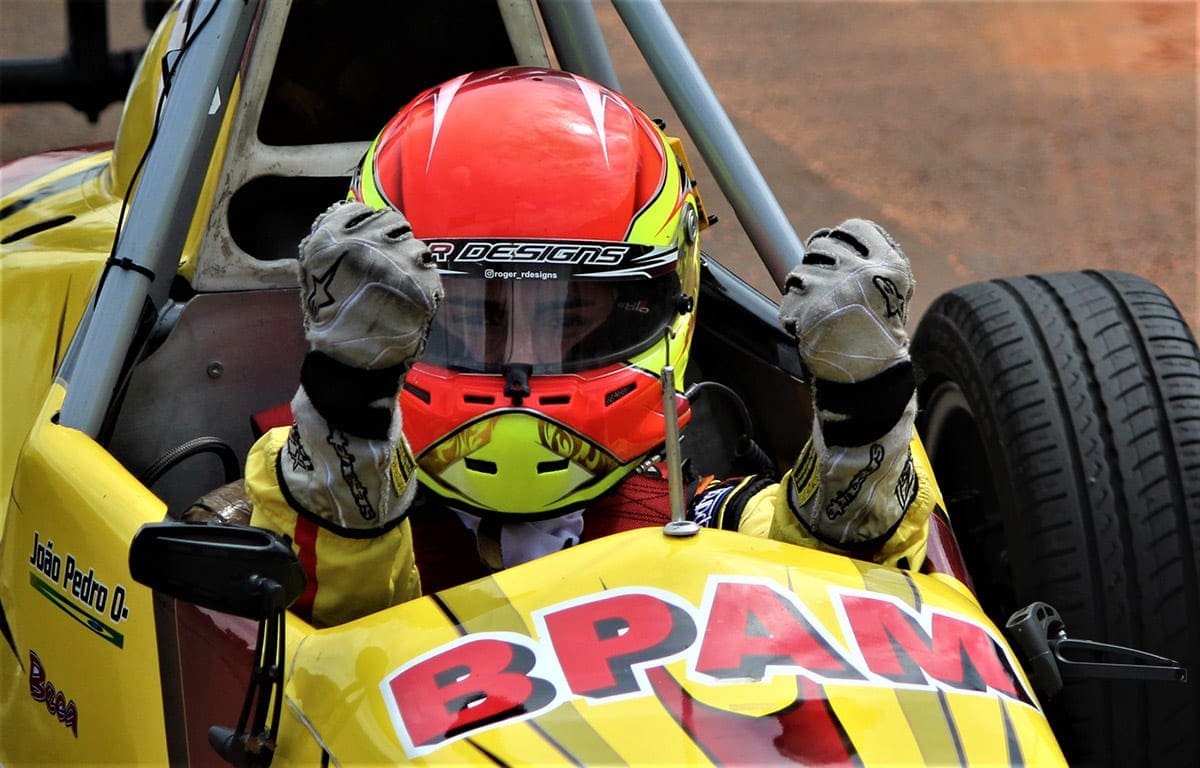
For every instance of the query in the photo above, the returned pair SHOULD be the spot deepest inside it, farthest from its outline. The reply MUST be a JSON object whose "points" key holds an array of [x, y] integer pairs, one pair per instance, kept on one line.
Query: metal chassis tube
{"points": [[702, 115], [195, 106]]}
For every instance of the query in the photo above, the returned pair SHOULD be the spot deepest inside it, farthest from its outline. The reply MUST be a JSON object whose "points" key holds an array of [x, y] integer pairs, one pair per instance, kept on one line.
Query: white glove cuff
{"points": [[346, 481]]}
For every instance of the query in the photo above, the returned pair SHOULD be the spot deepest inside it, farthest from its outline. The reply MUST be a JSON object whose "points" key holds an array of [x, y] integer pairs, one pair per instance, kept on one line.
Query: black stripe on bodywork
{"points": [[952, 728], [916, 593], [6, 633], [1015, 758], [33, 229], [449, 614], [496, 760], [53, 188], [558, 746]]}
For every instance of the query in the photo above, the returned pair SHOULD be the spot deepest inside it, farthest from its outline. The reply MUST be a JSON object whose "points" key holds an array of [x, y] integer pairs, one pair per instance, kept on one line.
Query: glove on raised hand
{"points": [[369, 288], [369, 291], [847, 303], [846, 306]]}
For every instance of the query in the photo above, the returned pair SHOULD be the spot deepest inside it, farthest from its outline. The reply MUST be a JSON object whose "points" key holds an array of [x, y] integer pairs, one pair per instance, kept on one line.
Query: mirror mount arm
{"points": [[252, 743], [243, 571], [1050, 657]]}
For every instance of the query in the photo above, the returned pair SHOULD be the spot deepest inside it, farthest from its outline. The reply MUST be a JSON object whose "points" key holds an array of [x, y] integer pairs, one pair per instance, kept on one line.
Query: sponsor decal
{"points": [[358, 490], [43, 691], [402, 468], [806, 478], [83, 596], [845, 497], [906, 485], [705, 508], [613, 645], [550, 259]]}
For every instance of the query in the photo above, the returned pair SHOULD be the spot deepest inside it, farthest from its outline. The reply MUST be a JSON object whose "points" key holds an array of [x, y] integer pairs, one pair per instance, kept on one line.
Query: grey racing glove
{"points": [[369, 287], [369, 290], [848, 302], [846, 305]]}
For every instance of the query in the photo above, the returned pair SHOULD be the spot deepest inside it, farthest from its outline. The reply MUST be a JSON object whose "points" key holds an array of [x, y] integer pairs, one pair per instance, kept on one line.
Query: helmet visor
{"points": [[554, 325]]}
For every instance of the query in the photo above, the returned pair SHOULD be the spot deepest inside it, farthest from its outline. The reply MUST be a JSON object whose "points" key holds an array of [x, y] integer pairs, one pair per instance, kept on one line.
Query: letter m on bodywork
{"points": [[935, 647]]}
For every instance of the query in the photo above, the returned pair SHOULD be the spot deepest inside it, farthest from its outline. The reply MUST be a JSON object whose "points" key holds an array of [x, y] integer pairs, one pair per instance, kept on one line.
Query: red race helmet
{"points": [[566, 230]]}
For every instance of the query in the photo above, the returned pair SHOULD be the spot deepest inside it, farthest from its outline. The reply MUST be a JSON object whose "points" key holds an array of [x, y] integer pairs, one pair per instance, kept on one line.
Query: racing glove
{"points": [[846, 306], [369, 291], [340, 481]]}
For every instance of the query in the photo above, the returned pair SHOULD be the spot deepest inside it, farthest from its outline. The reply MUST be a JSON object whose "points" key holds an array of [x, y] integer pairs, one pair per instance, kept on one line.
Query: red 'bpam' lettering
{"points": [[484, 680], [603, 647], [752, 626]]}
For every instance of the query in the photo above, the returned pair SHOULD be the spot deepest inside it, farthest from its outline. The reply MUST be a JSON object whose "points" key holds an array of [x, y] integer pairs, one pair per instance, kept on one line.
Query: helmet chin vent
{"points": [[481, 466], [617, 394], [560, 465]]}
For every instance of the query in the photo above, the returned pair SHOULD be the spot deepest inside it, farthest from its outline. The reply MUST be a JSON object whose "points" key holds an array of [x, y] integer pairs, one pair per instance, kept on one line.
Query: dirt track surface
{"points": [[991, 139]]}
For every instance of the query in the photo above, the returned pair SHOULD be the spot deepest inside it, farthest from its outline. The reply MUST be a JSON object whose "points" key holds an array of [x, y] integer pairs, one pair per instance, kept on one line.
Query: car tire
{"points": [[1061, 413]]}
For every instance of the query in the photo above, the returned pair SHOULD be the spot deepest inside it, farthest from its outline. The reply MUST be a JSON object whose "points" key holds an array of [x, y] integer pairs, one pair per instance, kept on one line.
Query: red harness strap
{"points": [[639, 501]]}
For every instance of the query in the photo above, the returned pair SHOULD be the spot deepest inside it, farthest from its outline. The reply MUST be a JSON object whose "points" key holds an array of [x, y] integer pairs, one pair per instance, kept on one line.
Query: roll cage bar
{"points": [[134, 285]]}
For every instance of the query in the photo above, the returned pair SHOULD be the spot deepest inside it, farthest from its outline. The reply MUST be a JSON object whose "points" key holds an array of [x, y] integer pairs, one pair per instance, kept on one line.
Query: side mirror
{"points": [[249, 572]]}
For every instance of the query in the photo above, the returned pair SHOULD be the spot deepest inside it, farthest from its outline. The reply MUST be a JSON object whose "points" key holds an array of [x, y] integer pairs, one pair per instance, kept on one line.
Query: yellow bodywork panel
{"points": [[46, 279], [82, 687], [635, 649], [56, 233]]}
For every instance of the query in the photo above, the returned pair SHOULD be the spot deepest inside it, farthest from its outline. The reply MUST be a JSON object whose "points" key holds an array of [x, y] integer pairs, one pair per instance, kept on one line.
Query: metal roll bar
{"points": [[573, 22], [147, 253]]}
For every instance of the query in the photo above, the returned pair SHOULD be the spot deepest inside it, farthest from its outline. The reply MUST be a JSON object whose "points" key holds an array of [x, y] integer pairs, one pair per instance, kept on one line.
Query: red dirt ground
{"points": [[991, 138]]}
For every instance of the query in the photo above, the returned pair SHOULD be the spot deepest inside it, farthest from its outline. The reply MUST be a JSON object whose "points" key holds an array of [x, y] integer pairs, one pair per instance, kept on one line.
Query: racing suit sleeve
{"points": [[781, 510], [351, 572]]}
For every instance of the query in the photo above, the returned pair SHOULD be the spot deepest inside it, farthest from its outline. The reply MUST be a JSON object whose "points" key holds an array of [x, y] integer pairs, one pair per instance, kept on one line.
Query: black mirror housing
{"points": [[240, 570]]}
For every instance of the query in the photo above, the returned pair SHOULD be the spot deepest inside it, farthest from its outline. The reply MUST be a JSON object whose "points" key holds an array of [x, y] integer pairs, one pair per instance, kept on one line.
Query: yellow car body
{"points": [[640, 648]]}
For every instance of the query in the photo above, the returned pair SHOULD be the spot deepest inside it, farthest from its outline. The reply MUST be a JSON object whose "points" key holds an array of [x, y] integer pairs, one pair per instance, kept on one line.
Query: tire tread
{"points": [[1089, 384]]}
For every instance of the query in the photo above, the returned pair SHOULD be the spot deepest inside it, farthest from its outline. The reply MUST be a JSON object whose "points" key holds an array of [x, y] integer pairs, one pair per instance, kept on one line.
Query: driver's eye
{"points": [[479, 314]]}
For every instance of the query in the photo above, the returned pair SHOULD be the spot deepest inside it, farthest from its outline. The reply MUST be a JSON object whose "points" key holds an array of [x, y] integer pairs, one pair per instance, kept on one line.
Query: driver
{"points": [[488, 394]]}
